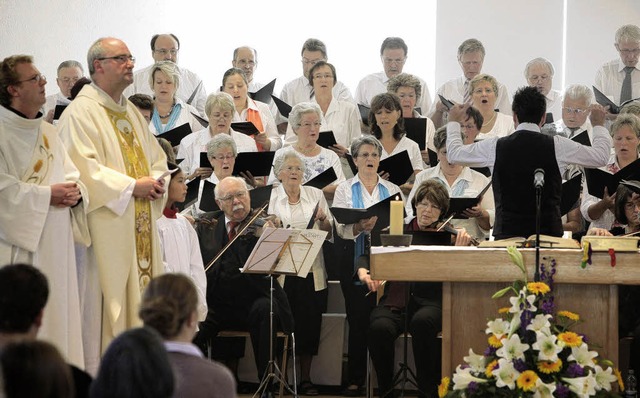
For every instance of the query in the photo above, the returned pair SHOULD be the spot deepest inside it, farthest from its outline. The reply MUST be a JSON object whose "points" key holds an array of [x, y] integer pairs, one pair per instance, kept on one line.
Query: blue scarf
{"points": [[358, 203], [173, 117]]}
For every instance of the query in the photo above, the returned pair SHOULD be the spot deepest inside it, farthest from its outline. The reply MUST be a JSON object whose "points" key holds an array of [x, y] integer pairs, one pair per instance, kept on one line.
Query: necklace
{"points": [[168, 114], [305, 151], [293, 203], [490, 120]]}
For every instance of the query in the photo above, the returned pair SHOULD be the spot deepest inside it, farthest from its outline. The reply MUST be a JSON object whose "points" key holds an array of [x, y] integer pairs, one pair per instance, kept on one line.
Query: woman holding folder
{"points": [[359, 192], [625, 131], [303, 207]]}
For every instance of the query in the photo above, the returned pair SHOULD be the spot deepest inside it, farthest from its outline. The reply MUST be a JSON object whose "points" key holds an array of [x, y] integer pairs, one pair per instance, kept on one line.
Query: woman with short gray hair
{"points": [[169, 111], [305, 119]]}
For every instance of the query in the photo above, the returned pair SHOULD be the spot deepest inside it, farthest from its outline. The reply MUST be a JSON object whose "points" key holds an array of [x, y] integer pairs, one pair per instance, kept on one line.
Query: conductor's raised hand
{"points": [[598, 114]]}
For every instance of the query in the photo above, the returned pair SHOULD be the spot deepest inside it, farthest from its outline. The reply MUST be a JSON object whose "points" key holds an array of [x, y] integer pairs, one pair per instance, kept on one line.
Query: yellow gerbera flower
{"points": [[570, 339], [443, 388], [549, 367], [504, 310], [489, 370], [527, 380], [570, 315], [494, 341], [538, 287], [616, 371]]}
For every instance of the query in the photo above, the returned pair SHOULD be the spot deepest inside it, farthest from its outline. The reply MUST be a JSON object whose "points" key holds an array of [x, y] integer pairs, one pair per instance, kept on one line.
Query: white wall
{"points": [[513, 32]]}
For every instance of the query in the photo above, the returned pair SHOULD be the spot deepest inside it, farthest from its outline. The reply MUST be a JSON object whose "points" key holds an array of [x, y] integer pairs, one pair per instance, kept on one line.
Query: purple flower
{"points": [[490, 351], [472, 388], [575, 370], [520, 365], [561, 391]]}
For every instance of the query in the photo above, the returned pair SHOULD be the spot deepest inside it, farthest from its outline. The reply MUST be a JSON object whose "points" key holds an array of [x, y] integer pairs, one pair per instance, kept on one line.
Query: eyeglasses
{"points": [[232, 196], [398, 61], [630, 51], [631, 205], [321, 76], [483, 91], [366, 155], [307, 125], [311, 62], [225, 157], [121, 59], [576, 111], [244, 62], [162, 51], [37, 78], [542, 78], [468, 126], [67, 80], [428, 205]]}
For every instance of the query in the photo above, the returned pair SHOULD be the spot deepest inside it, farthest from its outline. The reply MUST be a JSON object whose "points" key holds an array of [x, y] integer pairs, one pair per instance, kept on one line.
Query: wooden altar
{"points": [[471, 275]]}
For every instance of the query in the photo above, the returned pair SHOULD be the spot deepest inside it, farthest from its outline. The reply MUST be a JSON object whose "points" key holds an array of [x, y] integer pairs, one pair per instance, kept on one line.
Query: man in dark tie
{"points": [[619, 79], [237, 300]]}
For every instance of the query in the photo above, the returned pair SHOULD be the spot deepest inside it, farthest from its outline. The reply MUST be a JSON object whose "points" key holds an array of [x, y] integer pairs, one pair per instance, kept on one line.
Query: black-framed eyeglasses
{"points": [[119, 58]]}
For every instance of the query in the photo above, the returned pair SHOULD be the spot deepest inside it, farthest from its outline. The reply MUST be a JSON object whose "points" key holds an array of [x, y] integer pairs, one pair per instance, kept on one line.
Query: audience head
{"points": [[75, 90], [302, 109], [366, 152], [628, 44], [471, 57], [164, 76], [22, 85], [177, 191], [235, 83], [222, 152], [431, 201], [408, 88], [167, 149], [632, 107], [440, 138], [322, 70], [24, 291], [69, 72], [144, 103], [245, 58], [627, 207], [575, 105], [529, 106], [111, 65], [479, 84], [233, 198], [135, 365], [625, 131], [169, 305], [539, 74], [393, 53], [472, 125], [289, 168], [313, 50], [35, 369], [220, 109], [386, 106], [356, 145], [165, 47]]}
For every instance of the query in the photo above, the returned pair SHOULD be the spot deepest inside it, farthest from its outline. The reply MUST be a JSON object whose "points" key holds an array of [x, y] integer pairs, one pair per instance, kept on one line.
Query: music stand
{"points": [[282, 252]]}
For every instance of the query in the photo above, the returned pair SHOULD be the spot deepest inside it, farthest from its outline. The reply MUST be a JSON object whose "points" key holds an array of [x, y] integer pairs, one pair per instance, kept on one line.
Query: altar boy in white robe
{"points": [[42, 201]]}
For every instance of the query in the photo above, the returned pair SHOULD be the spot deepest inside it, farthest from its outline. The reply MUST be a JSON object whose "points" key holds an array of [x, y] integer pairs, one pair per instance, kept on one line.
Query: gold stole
{"points": [[136, 167]]}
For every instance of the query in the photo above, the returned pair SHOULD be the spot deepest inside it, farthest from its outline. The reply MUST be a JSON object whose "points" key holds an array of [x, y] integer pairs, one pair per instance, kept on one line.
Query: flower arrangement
{"points": [[531, 351]]}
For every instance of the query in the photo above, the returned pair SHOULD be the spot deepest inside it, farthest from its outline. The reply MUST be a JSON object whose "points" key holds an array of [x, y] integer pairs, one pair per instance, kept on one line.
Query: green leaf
{"points": [[502, 292]]}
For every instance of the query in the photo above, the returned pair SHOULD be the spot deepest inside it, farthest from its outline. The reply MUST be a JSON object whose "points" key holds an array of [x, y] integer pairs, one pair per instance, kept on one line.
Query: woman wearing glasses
{"points": [[219, 109], [483, 90], [359, 192], [305, 120], [625, 131], [234, 82], [338, 116], [169, 111]]}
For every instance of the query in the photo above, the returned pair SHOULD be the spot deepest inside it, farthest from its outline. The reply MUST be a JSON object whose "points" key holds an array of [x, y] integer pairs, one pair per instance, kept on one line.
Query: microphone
{"points": [[538, 178]]}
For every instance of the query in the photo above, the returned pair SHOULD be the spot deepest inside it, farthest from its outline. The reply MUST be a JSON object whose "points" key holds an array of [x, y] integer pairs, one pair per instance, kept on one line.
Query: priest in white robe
{"points": [[123, 166], [42, 200]]}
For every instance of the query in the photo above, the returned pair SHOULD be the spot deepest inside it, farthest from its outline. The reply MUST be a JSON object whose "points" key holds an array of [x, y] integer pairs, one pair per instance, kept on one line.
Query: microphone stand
{"points": [[536, 275]]}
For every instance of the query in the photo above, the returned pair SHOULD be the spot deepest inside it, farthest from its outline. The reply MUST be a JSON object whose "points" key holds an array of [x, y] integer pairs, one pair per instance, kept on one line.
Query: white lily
{"points": [[583, 387], [498, 328], [462, 378], [522, 302], [475, 361], [547, 348], [541, 324], [544, 390], [506, 375], [604, 378], [512, 348], [582, 355]]}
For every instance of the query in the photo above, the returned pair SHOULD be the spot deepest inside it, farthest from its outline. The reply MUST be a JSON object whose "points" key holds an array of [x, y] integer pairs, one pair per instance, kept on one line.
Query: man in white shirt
{"points": [[539, 74], [393, 54], [611, 76], [575, 112], [246, 58], [300, 90], [165, 47], [470, 57], [69, 72]]}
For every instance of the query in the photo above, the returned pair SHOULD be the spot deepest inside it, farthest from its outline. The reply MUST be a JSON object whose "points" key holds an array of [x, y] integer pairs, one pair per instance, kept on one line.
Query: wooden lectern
{"points": [[471, 275]]}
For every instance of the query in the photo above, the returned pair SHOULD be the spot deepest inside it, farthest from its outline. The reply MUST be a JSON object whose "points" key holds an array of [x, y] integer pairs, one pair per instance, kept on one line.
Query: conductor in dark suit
{"points": [[515, 158], [236, 300]]}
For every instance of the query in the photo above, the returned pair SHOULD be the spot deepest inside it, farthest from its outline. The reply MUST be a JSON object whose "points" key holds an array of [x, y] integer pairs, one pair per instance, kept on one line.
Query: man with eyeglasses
{"points": [[165, 47], [393, 54], [300, 90], [43, 201], [123, 166], [539, 74], [236, 300], [471, 54], [619, 79], [246, 58], [69, 72]]}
